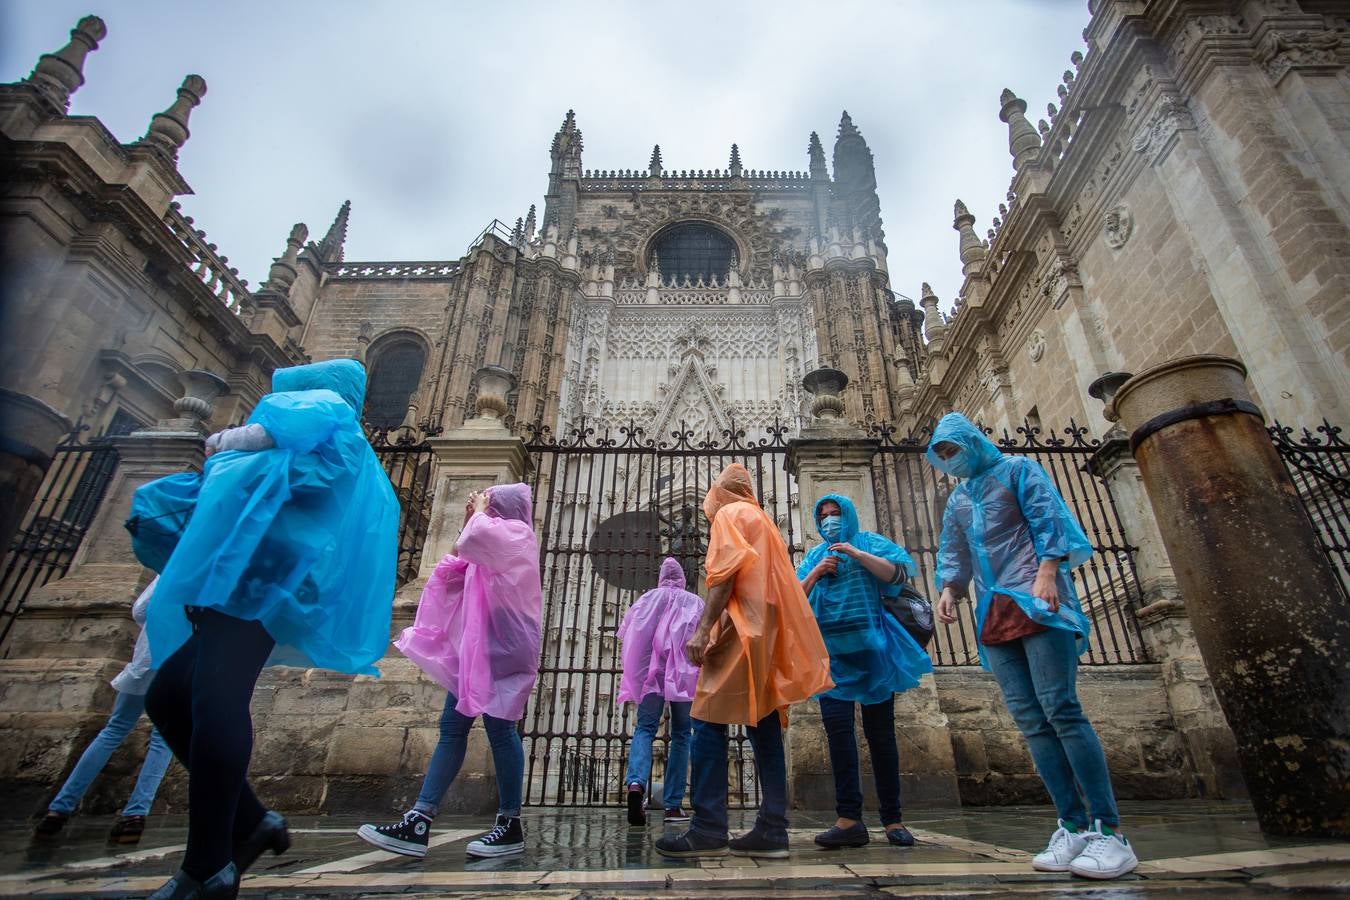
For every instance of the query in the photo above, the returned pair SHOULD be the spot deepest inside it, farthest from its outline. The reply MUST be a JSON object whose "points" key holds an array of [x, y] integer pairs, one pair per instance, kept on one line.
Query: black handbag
{"points": [[913, 611]]}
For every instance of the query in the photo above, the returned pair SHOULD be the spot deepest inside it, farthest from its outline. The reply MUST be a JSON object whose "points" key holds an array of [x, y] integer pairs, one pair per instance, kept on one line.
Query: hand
{"points": [[827, 567], [697, 647], [946, 608], [1046, 586], [478, 501], [212, 444], [847, 549]]}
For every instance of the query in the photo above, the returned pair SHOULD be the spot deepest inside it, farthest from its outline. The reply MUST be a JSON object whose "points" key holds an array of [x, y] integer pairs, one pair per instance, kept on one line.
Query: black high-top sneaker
{"points": [[407, 836], [637, 804], [505, 838]]}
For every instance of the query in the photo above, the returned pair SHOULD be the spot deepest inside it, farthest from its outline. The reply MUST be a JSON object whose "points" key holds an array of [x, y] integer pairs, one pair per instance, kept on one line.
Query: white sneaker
{"points": [[1064, 846], [1105, 856]]}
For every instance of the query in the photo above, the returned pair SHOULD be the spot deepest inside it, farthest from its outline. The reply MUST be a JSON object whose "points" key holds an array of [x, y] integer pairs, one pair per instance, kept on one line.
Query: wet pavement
{"points": [[1194, 847]]}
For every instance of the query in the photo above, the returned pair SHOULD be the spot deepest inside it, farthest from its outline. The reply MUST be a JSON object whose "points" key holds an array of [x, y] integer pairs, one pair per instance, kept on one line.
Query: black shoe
{"points": [[50, 825], [853, 836], [675, 814], [224, 885], [408, 836], [127, 830], [900, 837], [755, 845], [690, 845], [505, 838], [269, 834], [637, 812]]}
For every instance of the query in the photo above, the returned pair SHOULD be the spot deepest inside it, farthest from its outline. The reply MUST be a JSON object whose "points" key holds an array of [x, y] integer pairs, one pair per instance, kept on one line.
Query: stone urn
{"points": [[494, 383], [825, 386]]}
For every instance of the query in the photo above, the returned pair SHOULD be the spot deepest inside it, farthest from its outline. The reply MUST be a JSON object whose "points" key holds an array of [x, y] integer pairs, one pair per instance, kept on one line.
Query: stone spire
{"points": [[566, 150], [331, 247], [734, 169], [855, 179], [530, 223], [654, 165], [283, 271], [817, 154], [934, 328], [972, 251], [1023, 142], [58, 75], [169, 129]]}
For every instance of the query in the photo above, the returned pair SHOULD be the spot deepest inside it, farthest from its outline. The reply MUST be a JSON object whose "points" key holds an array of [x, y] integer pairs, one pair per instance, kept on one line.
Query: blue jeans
{"points": [[708, 788], [126, 712], [677, 759], [1037, 675], [879, 729], [508, 757]]}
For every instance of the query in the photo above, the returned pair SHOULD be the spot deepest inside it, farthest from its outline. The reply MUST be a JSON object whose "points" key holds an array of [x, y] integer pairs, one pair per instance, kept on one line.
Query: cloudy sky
{"points": [[435, 118]]}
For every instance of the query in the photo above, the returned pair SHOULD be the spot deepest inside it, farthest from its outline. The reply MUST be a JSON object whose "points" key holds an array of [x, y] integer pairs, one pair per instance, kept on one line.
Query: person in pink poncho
{"points": [[656, 672], [477, 635]]}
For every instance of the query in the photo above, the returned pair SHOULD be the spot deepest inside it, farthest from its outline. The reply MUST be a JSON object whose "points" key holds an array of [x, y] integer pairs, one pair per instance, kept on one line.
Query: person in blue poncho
{"points": [[288, 558], [1008, 528], [871, 659]]}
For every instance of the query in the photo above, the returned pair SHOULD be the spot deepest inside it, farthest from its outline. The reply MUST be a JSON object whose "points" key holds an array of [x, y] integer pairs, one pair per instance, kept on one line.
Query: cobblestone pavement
{"points": [[1194, 847]]}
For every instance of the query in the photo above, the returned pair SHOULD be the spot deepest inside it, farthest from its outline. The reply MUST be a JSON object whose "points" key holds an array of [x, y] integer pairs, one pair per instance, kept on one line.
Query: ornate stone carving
{"points": [[1282, 51], [1118, 226], [1170, 117], [1036, 345]]}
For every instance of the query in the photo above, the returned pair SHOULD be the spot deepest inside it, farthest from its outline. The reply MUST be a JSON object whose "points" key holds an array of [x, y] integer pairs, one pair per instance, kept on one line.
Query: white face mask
{"points": [[831, 527]]}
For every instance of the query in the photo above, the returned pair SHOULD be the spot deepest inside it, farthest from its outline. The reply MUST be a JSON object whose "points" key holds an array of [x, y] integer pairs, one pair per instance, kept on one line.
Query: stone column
{"points": [[75, 633], [29, 433], [831, 456], [1163, 621], [389, 729], [1269, 617]]}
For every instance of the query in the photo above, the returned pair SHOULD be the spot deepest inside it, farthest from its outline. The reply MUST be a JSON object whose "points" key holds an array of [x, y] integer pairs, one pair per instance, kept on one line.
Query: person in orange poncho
{"points": [[759, 650]]}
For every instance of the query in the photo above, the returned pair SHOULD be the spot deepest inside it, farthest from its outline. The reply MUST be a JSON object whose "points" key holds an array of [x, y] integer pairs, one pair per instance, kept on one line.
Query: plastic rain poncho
{"points": [[302, 538], [871, 655], [1004, 518], [654, 632], [477, 627], [766, 651]]}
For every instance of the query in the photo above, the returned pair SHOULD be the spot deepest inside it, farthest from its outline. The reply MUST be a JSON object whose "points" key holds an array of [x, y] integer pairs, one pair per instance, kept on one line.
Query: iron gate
{"points": [[609, 507], [56, 522], [911, 496], [1319, 464], [409, 462]]}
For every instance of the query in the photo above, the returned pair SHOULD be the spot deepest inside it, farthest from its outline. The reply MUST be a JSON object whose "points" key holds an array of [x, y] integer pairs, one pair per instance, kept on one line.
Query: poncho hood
{"points": [[848, 515], [978, 453], [672, 574], [344, 377], [511, 501], [732, 486]]}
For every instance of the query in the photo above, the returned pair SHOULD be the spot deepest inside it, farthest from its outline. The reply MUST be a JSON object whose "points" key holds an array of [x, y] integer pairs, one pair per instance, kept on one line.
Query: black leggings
{"points": [[199, 701]]}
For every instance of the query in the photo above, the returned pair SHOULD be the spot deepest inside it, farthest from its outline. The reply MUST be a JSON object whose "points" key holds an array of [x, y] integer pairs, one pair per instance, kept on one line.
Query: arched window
{"points": [[393, 378], [693, 249]]}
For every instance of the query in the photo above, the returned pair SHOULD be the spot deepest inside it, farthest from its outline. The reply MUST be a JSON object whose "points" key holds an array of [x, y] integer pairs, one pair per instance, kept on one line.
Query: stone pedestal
{"points": [[831, 457], [1269, 617], [76, 633], [29, 433], [1161, 613]]}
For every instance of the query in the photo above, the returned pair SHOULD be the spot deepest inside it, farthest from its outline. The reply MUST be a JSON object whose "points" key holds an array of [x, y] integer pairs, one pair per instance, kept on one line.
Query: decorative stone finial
{"points": [[825, 386], [1023, 142], [169, 129], [60, 74], [816, 152], [654, 165], [934, 328], [846, 128], [331, 247], [201, 389], [530, 223], [282, 274], [494, 383], [972, 251], [734, 168]]}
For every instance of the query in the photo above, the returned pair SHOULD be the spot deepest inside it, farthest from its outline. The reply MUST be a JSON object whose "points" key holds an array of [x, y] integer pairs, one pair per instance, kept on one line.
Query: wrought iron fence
{"points": [[609, 507], [409, 461], [56, 522], [1318, 461], [911, 496]]}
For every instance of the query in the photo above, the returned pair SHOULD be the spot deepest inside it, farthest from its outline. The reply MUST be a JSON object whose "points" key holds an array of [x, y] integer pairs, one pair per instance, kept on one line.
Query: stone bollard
{"points": [[1270, 618]]}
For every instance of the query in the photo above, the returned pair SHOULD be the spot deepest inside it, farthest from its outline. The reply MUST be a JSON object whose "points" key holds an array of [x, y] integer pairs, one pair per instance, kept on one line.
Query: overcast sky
{"points": [[435, 118]]}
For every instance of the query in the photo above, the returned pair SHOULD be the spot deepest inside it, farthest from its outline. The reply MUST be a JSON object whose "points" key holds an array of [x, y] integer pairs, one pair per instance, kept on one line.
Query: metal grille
{"points": [[409, 462], [57, 520], [693, 251], [612, 507], [910, 498], [1319, 463]]}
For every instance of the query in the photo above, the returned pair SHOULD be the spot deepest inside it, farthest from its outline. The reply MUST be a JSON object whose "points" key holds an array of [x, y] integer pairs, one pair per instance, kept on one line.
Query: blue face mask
{"points": [[962, 465], [832, 527]]}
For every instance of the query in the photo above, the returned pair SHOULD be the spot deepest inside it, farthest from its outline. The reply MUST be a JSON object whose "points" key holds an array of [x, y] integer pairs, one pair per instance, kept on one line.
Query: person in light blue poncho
{"points": [[1007, 527], [288, 558], [871, 659]]}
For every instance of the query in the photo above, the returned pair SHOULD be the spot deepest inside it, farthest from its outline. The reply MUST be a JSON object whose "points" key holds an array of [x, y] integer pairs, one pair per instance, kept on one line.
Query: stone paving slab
{"points": [[1199, 848]]}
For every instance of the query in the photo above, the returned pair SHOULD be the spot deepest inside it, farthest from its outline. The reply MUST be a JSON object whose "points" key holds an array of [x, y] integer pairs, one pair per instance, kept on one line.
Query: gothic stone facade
{"points": [[1186, 194]]}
